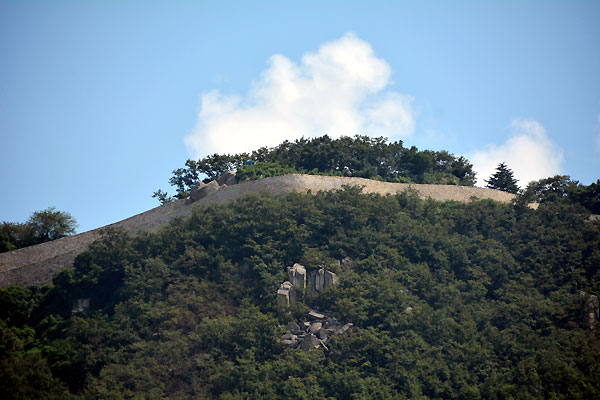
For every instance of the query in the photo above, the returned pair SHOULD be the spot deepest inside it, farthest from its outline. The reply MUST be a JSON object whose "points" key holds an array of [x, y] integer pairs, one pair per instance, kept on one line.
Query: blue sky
{"points": [[101, 100]]}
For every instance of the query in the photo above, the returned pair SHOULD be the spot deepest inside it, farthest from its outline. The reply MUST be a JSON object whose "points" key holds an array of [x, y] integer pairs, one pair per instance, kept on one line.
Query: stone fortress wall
{"points": [[37, 264]]}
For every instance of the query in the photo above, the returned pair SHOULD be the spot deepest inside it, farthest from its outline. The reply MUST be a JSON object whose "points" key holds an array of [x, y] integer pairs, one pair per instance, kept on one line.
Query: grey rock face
{"points": [[227, 178], [286, 295], [297, 275], [201, 192], [331, 279], [283, 297], [194, 192], [322, 279]]}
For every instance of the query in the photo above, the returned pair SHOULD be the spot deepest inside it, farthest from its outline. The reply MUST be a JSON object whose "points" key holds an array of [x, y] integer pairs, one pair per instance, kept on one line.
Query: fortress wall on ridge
{"points": [[37, 264]]}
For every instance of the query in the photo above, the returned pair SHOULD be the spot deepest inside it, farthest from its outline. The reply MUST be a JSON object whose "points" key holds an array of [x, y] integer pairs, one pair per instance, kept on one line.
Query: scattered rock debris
{"points": [[315, 333]]}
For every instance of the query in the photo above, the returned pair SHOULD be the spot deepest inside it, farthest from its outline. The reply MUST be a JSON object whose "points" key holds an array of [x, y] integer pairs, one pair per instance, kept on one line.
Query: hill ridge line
{"points": [[37, 264]]}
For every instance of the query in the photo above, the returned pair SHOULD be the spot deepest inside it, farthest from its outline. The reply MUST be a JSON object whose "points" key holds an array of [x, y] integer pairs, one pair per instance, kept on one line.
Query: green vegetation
{"points": [[361, 156], [503, 180], [42, 226], [561, 188], [190, 311]]}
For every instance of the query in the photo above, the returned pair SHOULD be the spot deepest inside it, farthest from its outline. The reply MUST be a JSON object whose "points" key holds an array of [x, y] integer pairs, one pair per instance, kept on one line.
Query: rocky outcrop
{"points": [[286, 295], [315, 332], [318, 280], [591, 312], [202, 190], [297, 275], [227, 178], [322, 279]]}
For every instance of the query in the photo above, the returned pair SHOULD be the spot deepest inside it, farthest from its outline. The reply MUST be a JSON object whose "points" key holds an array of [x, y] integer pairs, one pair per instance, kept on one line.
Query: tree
{"points": [[359, 156], [42, 226], [503, 180], [563, 188], [49, 224]]}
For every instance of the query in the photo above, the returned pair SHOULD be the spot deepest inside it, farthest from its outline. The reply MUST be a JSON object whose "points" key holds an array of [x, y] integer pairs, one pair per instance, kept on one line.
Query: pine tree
{"points": [[503, 180]]}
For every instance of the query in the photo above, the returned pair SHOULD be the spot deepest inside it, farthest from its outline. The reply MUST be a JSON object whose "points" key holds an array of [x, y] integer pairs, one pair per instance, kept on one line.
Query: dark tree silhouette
{"points": [[503, 180]]}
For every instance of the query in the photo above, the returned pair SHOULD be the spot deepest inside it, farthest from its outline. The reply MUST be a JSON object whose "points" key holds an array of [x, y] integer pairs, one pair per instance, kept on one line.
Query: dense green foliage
{"points": [[361, 156], [190, 312], [42, 226], [561, 188], [503, 179]]}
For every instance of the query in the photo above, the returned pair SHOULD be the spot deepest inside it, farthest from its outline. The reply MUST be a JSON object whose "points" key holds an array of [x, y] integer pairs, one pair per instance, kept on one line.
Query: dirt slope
{"points": [[37, 264]]}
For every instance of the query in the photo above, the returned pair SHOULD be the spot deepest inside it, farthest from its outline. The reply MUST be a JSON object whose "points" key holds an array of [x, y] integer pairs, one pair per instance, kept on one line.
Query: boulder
{"points": [[290, 336], [310, 342], [227, 178], [293, 327], [315, 315], [323, 333], [297, 275], [200, 192], [345, 328], [315, 327]]}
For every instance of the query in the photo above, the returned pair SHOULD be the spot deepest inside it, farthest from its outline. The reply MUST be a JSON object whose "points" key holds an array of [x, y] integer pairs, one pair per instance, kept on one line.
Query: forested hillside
{"points": [[449, 300]]}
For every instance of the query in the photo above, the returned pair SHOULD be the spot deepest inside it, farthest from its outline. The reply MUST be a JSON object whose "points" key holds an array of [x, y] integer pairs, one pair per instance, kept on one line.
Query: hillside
{"points": [[37, 264], [335, 295]]}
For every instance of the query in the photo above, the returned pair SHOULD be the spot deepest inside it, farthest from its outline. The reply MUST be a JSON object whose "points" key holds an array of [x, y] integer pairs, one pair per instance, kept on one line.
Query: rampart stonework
{"points": [[37, 264]]}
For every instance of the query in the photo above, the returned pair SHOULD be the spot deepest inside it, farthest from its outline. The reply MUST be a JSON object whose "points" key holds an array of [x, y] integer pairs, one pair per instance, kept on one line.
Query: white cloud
{"points": [[339, 90], [529, 152]]}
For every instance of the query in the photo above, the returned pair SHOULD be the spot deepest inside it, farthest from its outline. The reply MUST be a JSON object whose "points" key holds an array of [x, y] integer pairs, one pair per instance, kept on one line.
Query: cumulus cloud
{"points": [[529, 152], [338, 90]]}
